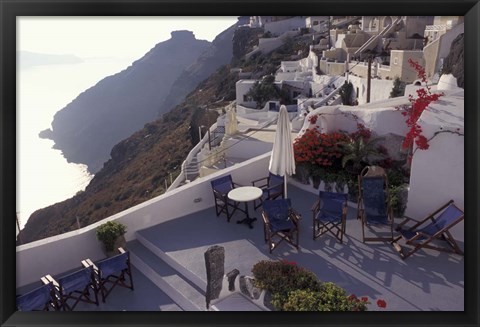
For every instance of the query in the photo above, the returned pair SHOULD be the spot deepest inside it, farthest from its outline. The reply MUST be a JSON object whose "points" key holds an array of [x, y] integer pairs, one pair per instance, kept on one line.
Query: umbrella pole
{"points": [[285, 185]]}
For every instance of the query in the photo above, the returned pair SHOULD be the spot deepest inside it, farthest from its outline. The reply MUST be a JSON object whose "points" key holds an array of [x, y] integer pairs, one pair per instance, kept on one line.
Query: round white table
{"points": [[245, 194]]}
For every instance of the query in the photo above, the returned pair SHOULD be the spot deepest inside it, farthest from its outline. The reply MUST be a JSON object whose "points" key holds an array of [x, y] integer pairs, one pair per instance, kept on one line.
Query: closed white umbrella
{"points": [[282, 160]]}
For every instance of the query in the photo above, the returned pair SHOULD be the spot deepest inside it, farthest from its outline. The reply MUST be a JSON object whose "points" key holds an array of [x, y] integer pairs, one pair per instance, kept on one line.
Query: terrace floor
{"points": [[426, 281]]}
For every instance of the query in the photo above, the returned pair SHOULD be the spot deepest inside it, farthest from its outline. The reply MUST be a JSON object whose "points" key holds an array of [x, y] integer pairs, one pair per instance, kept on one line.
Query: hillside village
{"points": [[313, 84], [324, 55]]}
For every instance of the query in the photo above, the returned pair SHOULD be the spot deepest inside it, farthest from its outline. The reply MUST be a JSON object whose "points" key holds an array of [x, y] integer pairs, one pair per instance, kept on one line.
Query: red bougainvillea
{"points": [[363, 132], [418, 105], [313, 119]]}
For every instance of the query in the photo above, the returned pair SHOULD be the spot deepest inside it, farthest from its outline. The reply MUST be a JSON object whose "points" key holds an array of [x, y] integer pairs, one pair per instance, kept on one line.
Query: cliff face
{"points": [[453, 63], [88, 127], [217, 54]]}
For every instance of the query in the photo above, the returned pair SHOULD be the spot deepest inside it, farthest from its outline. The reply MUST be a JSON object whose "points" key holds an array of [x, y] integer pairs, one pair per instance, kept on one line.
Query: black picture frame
{"points": [[10, 9]]}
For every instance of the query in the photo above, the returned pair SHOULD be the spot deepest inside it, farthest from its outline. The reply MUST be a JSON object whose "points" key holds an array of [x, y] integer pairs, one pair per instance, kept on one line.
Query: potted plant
{"points": [[111, 234]]}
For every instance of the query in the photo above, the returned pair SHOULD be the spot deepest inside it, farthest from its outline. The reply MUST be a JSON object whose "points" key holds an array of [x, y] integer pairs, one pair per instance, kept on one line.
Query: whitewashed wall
{"points": [[437, 174], [282, 26]]}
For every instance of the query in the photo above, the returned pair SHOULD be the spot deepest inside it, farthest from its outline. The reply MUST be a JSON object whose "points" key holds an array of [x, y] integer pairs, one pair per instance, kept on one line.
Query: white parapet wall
{"points": [[58, 254]]}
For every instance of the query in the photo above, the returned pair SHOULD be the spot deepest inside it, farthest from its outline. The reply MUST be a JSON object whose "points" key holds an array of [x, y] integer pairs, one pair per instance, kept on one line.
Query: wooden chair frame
{"points": [[378, 172], [422, 240], [105, 284], [336, 228], [291, 236], [50, 303], [77, 295], [271, 191], [222, 202]]}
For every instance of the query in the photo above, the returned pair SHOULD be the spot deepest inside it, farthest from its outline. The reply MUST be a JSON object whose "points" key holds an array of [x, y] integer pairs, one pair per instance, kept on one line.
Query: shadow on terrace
{"points": [[426, 281]]}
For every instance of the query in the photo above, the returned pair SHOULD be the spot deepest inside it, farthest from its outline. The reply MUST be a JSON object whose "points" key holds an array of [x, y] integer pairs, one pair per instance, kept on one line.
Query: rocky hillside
{"points": [[117, 106]]}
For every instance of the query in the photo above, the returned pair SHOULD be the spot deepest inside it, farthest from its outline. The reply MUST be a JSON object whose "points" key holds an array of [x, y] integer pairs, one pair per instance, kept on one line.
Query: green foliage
{"points": [[280, 278], [359, 151], [397, 182], [264, 90], [346, 92], [398, 88], [296, 289], [108, 232], [330, 297], [396, 200]]}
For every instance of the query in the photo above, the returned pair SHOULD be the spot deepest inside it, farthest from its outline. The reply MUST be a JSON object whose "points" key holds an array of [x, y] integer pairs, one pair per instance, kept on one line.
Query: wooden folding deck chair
{"points": [[435, 227], [374, 208], [75, 287], [330, 214], [39, 299], [112, 272], [272, 187], [280, 223], [221, 186]]}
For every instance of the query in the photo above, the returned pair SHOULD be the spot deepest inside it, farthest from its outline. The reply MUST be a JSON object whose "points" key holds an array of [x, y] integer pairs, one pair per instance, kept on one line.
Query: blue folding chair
{"points": [[79, 286], [435, 227], [330, 214], [272, 187], [281, 223], [112, 272], [374, 208], [221, 186], [40, 299]]}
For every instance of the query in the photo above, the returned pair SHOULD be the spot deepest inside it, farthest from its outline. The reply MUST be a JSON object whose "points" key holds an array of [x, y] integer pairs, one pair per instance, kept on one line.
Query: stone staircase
{"points": [[191, 169], [182, 286]]}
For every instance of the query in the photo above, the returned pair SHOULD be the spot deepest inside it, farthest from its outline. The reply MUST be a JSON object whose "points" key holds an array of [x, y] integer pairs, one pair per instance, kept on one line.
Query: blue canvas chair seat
{"points": [[112, 272], [280, 223], [374, 208], [75, 287], [330, 214], [272, 186], [221, 186], [41, 298], [435, 227]]}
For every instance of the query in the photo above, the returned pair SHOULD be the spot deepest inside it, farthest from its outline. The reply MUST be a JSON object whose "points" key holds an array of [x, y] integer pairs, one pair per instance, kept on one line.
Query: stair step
{"points": [[185, 293]]}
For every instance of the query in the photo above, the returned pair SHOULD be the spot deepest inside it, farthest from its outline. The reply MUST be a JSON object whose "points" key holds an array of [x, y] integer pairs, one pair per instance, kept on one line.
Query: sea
{"points": [[43, 175]]}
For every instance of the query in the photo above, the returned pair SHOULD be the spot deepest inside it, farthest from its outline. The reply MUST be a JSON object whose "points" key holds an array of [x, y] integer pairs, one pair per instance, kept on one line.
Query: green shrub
{"points": [[108, 232], [330, 298], [294, 288], [281, 277]]}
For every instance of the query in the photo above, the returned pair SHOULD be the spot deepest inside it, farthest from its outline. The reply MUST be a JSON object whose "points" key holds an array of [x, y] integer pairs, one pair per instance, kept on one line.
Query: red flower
{"points": [[381, 303], [313, 119], [364, 299]]}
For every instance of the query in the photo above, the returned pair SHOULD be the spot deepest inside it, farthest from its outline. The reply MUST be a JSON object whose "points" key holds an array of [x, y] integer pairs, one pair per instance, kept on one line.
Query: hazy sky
{"points": [[126, 37]]}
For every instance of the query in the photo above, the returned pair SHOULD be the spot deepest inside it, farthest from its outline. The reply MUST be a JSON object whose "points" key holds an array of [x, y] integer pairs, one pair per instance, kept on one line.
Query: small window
{"points": [[395, 61]]}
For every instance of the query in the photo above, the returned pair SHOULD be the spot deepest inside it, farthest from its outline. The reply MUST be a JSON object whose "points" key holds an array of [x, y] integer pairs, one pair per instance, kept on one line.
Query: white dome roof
{"points": [[447, 82]]}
